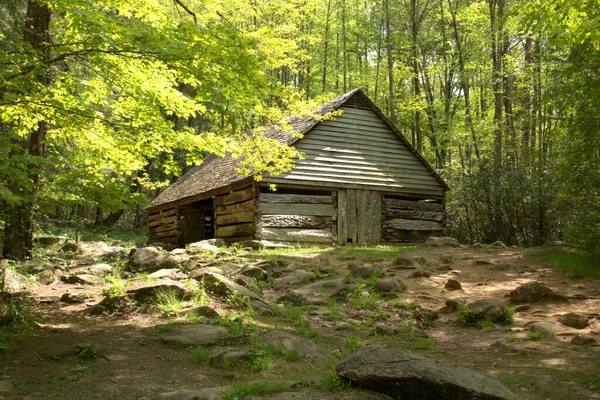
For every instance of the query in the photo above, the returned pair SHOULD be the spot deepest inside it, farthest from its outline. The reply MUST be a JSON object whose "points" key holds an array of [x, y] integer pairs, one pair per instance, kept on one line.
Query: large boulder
{"points": [[12, 281], [532, 292], [574, 320], [149, 260], [488, 309], [203, 245], [441, 241], [405, 375]]}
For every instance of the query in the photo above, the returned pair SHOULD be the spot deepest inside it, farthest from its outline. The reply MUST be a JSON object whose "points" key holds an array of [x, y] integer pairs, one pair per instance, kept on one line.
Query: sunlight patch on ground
{"points": [[554, 362]]}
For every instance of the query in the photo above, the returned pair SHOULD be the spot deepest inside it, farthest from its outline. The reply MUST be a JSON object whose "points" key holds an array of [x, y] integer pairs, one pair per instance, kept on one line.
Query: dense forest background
{"points": [[103, 103]]}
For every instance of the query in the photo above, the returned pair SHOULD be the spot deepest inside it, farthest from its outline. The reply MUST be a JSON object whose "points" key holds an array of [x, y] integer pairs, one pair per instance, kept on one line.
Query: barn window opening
{"points": [[196, 221]]}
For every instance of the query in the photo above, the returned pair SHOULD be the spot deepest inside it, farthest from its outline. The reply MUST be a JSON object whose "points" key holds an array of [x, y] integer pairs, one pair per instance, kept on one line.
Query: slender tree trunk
{"points": [[344, 49], [390, 62], [414, 28], [18, 232], [326, 46]]}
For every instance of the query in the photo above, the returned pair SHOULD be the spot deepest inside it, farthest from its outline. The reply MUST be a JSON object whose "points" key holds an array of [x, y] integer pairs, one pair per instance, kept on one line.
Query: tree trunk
{"points": [[18, 231], [390, 62], [326, 46]]}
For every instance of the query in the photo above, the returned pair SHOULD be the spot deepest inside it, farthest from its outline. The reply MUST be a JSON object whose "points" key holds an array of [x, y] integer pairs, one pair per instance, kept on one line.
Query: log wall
{"points": [[235, 213], [411, 221], [295, 218], [162, 226]]}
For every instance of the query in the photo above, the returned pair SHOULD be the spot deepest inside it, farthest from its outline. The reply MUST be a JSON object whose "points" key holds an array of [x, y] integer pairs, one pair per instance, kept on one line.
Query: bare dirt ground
{"points": [[134, 363]]}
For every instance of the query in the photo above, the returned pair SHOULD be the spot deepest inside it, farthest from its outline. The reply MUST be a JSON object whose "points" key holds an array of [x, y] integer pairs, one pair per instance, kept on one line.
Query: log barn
{"points": [[360, 182]]}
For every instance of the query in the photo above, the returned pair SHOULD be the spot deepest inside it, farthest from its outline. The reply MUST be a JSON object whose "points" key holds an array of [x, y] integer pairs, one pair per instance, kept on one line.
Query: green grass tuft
{"points": [[240, 390]]}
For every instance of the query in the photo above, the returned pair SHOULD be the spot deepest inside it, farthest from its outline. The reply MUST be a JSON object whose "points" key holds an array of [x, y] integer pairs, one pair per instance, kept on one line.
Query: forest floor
{"points": [[533, 355]]}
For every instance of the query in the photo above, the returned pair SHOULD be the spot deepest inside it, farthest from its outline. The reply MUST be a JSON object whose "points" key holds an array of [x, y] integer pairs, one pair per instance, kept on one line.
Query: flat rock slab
{"points": [[345, 395], [405, 375], [84, 279], [294, 278], [321, 287], [147, 291], [212, 393], [194, 335], [221, 285], [308, 350]]}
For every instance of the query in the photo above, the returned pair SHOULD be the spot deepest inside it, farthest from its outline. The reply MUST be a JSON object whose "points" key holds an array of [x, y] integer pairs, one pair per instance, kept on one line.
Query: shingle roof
{"points": [[216, 172]]}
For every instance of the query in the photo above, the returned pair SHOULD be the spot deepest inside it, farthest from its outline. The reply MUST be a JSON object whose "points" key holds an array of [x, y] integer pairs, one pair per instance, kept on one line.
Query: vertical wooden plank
{"points": [[360, 226], [351, 214], [376, 218], [341, 219]]}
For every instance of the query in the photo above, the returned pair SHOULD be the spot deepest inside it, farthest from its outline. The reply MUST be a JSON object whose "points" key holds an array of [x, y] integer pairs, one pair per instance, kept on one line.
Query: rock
{"points": [[171, 273], [550, 386], [555, 243], [293, 299], [212, 393], [498, 244], [384, 329], [253, 244], [253, 272], [403, 261], [447, 259], [325, 287], [178, 251], [402, 374], [4, 263], [198, 273], [12, 281], [483, 262], [247, 282], [287, 342], [583, 340], [344, 290], [532, 292], [453, 284], [100, 269], [574, 320], [202, 311], [70, 247], [194, 335], [74, 298], [477, 245], [111, 305], [488, 309], [84, 279], [361, 271], [148, 260], [259, 305], [390, 286], [203, 245], [420, 273], [5, 386], [229, 358], [51, 240], [145, 292], [221, 285], [441, 241], [46, 277], [297, 277], [354, 394]]}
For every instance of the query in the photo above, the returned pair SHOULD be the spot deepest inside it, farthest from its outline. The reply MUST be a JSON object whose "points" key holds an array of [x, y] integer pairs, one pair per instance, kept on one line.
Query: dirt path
{"points": [[134, 363]]}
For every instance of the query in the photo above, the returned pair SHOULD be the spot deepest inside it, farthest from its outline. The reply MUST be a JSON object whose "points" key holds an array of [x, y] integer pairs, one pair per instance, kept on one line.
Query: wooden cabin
{"points": [[360, 182]]}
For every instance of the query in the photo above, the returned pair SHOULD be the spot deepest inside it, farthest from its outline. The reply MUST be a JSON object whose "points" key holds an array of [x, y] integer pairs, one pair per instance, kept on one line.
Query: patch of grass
{"points": [[591, 377], [4, 347], [166, 328], [404, 304], [240, 390], [116, 285], [509, 314], [414, 338], [353, 343], [575, 263], [362, 298], [200, 354], [536, 335], [485, 325], [332, 382], [511, 337], [89, 350], [15, 311], [311, 334], [143, 276], [124, 235], [169, 301], [296, 315], [238, 324], [292, 355]]}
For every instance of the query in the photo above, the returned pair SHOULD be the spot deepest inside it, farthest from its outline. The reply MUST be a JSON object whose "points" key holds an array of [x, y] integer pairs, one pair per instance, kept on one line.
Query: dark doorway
{"points": [[197, 221]]}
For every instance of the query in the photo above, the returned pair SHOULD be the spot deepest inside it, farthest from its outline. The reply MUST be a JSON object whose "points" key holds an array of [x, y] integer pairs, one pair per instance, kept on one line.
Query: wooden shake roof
{"points": [[215, 172]]}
